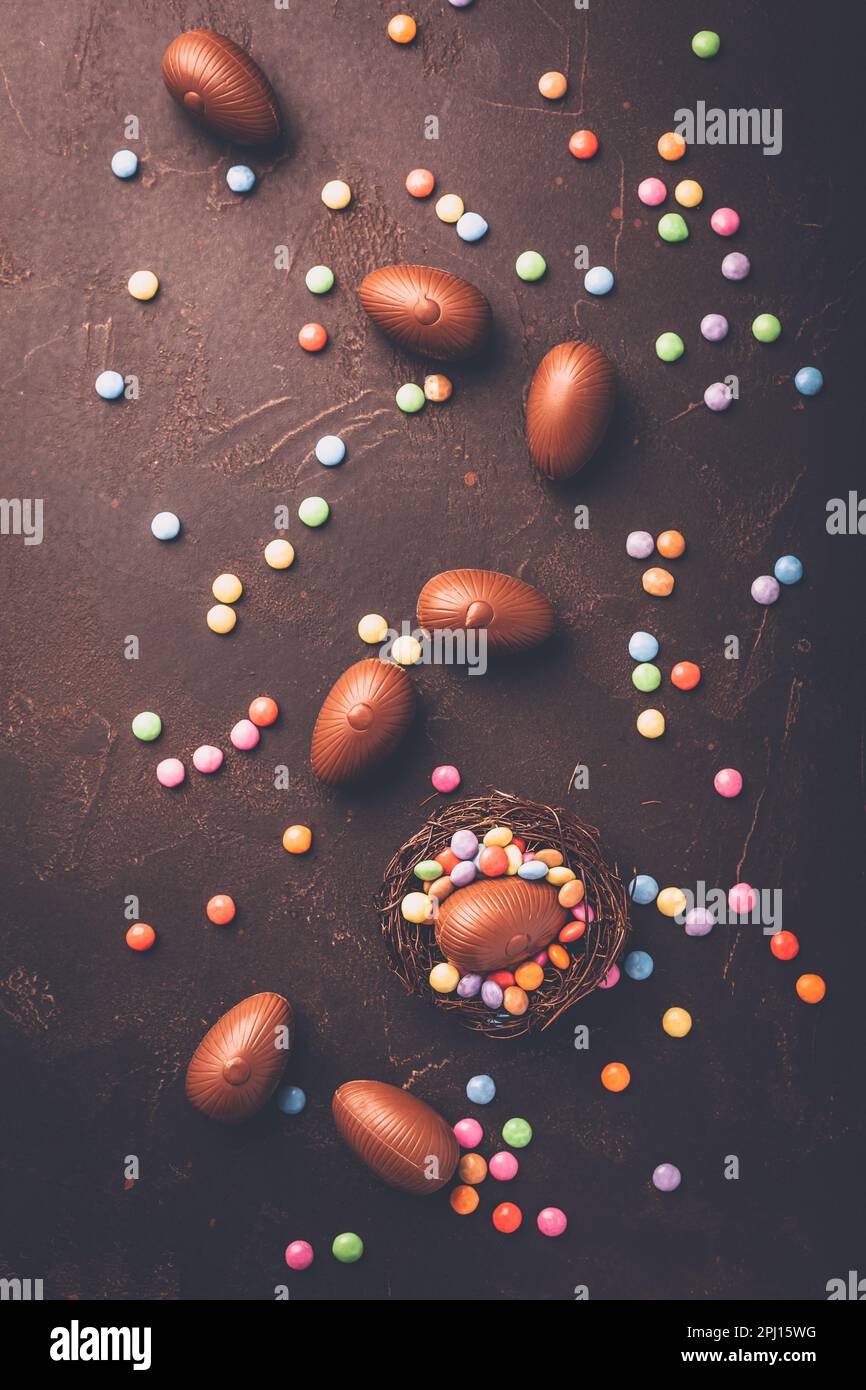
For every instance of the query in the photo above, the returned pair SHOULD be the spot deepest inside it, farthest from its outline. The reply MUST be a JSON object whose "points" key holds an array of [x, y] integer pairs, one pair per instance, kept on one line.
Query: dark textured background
{"points": [[94, 1037]]}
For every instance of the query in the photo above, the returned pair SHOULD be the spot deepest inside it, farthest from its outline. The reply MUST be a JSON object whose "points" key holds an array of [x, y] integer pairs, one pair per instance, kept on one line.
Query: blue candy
{"points": [[124, 164], [291, 1100], [330, 450], [240, 178], [599, 280], [643, 889], [809, 381], [471, 227], [109, 385], [638, 965], [481, 1089], [642, 646], [165, 526], [533, 868], [788, 569]]}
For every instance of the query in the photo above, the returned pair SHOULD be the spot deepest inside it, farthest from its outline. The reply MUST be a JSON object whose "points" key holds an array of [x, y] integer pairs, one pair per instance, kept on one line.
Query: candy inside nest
{"points": [[413, 950]]}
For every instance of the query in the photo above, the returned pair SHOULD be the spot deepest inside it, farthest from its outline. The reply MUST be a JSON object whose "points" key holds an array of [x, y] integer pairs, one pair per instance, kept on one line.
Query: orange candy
{"points": [[507, 1217], [784, 945], [657, 582], [448, 859], [140, 937], [811, 989], [472, 1168], [402, 28], [671, 544], [583, 144], [463, 1200], [615, 1076], [572, 932], [263, 711], [420, 183], [558, 956], [297, 839], [529, 975], [551, 857], [553, 85], [686, 675], [312, 337], [221, 909], [671, 145], [571, 893], [515, 1000]]}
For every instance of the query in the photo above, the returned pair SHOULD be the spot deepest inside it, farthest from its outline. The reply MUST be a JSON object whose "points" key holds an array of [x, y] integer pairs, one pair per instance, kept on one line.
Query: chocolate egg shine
{"points": [[426, 310], [218, 84], [514, 615], [236, 1067], [363, 718], [569, 407], [494, 924], [400, 1138]]}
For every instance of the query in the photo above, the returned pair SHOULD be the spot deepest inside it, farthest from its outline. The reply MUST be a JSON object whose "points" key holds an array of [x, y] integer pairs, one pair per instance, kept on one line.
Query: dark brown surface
{"points": [[96, 1038], [568, 408], [513, 615], [396, 1134], [427, 310]]}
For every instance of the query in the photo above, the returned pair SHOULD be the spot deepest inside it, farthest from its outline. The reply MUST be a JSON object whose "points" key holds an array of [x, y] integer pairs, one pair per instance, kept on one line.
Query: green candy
{"points": [[314, 511], [706, 44], [672, 227], [319, 279], [530, 265], [428, 870], [410, 398], [517, 1133], [147, 726], [347, 1248], [766, 328], [646, 676], [670, 347]]}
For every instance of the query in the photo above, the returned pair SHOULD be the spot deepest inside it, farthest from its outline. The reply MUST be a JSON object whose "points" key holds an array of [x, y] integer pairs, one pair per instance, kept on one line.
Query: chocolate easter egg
{"points": [[218, 84], [399, 1137], [427, 310], [236, 1067], [513, 614], [569, 407], [495, 923], [363, 718]]}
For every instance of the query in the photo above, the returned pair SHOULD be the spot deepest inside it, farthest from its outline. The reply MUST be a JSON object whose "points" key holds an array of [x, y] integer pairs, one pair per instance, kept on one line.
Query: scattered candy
{"points": [[507, 1217], [736, 266], [583, 144], [143, 284], [657, 582], [313, 337], [319, 279], [553, 85], [788, 569], [551, 1221], [347, 1248], [207, 758], [336, 194], [472, 1169], [784, 945], [677, 1022], [670, 347], [244, 735], [165, 526], [503, 1166], [140, 936], [314, 511], [765, 589], [124, 163], [686, 675], [330, 450], [450, 208], [672, 227], [263, 711], [811, 989], [651, 192], [240, 178], [809, 381], [481, 1089], [598, 280], [689, 193], [639, 544], [170, 772], [517, 1133], [464, 1200], [646, 677], [667, 1177], [742, 899], [438, 388], [699, 921], [147, 726], [643, 889], [615, 1076], [706, 44], [109, 385], [639, 965], [297, 839], [714, 327], [468, 1133], [642, 646], [445, 778], [725, 222], [227, 588], [299, 1255], [221, 909], [671, 544], [406, 651], [671, 145], [373, 629], [410, 398], [402, 28], [471, 227], [718, 396], [766, 328], [279, 554], [671, 902], [728, 782], [530, 265], [420, 183]]}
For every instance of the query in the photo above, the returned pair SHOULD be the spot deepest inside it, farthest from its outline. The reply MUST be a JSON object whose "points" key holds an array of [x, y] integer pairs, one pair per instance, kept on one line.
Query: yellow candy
{"points": [[373, 628], [336, 194], [220, 618], [651, 723], [450, 208], [557, 875], [514, 857], [444, 978], [227, 588], [500, 835], [143, 284], [677, 1022], [689, 193], [406, 651], [279, 554], [671, 902], [417, 908]]}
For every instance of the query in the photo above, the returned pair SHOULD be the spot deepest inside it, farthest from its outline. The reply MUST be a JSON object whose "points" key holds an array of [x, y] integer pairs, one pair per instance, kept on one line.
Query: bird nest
{"points": [[413, 950]]}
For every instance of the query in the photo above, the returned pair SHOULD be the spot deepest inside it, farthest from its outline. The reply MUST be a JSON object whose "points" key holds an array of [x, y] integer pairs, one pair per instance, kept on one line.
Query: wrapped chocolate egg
{"points": [[399, 1137], [495, 923], [427, 310], [236, 1067], [514, 615], [569, 408], [363, 718], [218, 84]]}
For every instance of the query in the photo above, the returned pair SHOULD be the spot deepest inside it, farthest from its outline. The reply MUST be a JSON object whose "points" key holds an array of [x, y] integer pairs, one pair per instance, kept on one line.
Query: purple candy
{"points": [[718, 396], [667, 1177], [469, 986], [491, 994], [699, 921], [639, 544], [765, 589], [464, 844], [463, 873], [714, 327], [460, 4], [736, 266]]}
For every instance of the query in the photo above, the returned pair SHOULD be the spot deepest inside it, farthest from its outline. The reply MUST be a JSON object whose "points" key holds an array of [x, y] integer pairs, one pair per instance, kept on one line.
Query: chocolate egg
{"points": [[569, 407], [514, 614], [363, 718], [216, 82], [427, 310], [399, 1137], [497, 922], [236, 1067]]}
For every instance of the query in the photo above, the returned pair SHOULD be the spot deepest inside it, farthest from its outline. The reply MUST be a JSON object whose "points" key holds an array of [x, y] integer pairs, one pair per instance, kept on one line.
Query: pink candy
{"points": [[170, 772], [541, 959], [742, 898], [728, 782], [468, 1133], [583, 913], [551, 1221], [299, 1255], [245, 735], [725, 221], [207, 758], [652, 192], [503, 1166], [445, 778], [610, 979]]}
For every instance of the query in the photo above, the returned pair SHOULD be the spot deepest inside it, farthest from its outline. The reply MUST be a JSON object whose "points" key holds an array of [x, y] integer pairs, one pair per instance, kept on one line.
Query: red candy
{"points": [[573, 931], [503, 978], [784, 945], [686, 675], [140, 937], [521, 844], [312, 337], [493, 861], [263, 711], [420, 183], [447, 858], [507, 1217], [583, 144]]}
